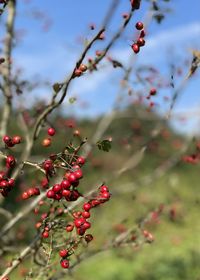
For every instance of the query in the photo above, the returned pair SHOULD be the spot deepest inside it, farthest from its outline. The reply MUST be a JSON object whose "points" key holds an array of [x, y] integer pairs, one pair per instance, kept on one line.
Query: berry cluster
{"points": [[140, 41], [6, 184], [68, 186], [81, 224], [11, 141], [30, 192]]}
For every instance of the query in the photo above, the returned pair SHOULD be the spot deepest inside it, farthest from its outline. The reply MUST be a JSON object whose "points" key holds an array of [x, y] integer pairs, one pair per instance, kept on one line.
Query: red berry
{"points": [[78, 174], [139, 25], [10, 161], [50, 194], [135, 47], [25, 195], [16, 140], [86, 214], [3, 184], [64, 263], [65, 184], [69, 227], [45, 234], [153, 91], [79, 222], [66, 193], [7, 139], [141, 42], [72, 178], [51, 131], [87, 206], [86, 225], [63, 253], [57, 188], [80, 160], [103, 188]]}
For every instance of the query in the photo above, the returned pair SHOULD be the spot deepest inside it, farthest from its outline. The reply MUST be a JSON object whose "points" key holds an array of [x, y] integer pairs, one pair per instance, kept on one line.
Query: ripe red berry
{"points": [[10, 161], [50, 194], [45, 234], [64, 263], [153, 91], [25, 195], [79, 222], [7, 139], [65, 184], [80, 160], [51, 131], [86, 225], [3, 184], [57, 188], [78, 174], [72, 177], [87, 206], [16, 140], [69, 227], [135, 47], [141, 42], [103, 188], [86, 214], [63, 253], [139, 25]]}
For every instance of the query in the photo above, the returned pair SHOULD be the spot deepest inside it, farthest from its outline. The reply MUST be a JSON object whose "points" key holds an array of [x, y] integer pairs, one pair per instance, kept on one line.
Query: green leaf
{"points": [[104, 145], [72, 100], [57, 87]]}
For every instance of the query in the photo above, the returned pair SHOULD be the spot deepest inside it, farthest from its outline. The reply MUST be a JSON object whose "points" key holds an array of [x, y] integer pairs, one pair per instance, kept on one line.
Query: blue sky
{"points": [[51, 54]]}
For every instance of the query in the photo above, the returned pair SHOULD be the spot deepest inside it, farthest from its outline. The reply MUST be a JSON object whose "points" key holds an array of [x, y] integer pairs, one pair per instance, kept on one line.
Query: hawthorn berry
{"points": [[46, 142], [45, 234], [16, 140], [139, 25], [80, 160], [135, 47], [64, 263], [10, 161], [88, 238], [51, 131], [63, 253]]}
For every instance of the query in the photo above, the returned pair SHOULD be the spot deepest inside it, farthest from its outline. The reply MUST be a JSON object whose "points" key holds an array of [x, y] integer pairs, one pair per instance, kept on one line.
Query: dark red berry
{"points": [[139, 25], [135, 47], [16, 140], [80, 160], [45, 234], [63, 253], [87, 206]]}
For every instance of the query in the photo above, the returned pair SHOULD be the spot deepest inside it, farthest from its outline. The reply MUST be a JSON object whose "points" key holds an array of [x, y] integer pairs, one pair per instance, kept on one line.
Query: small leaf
{"points": [[72, 100], [104, 145], [57, 87]]}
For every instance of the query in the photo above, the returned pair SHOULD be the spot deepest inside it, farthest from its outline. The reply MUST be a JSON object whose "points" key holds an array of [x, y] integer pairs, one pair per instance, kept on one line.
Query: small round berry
{"points": [[88, 238], [141, 42], [65, 184], [51, 131], [45, 234], [86, 214], [64, 263], [79, 222], [80, 160], [86, 225], [50, 194], [63, 253], [87, 206], [69, 227], [25, 195], [139, 25], [57, 188], [16, 140], [10, 161], [46, 142], [7, 139], [72, 177], [78, 174], [103, 188], [135, 47], [3, 184], [153, 91]]}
